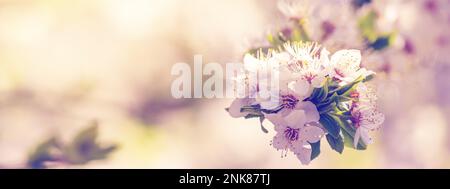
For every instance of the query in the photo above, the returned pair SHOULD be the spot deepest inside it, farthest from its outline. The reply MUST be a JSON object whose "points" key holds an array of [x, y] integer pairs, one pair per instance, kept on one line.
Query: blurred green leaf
{"points": [[43, 153], [84, 147], [375, 40], [383, 41], [367, 26], [360, 3], [299, 32]]}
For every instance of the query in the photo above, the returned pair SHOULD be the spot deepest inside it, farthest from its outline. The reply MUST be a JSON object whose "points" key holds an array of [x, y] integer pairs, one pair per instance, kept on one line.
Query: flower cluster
{"points": [[317, 96]]}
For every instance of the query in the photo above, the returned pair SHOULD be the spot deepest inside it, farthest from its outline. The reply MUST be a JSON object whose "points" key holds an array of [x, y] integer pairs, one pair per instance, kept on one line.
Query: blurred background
{"points": [[86, 83]]}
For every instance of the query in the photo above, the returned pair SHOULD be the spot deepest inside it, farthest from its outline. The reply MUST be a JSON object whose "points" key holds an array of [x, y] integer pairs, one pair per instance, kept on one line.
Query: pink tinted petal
{"points": [[269, 104], [365, 136], [271, 101], [363, 72], [235, 108], [277, 120], [373, 120], [312, 115], [347, 58], [280, 142], [304, 155], [285, 112], [301, 88], [284, 77], [296, 119], [311, 134]]}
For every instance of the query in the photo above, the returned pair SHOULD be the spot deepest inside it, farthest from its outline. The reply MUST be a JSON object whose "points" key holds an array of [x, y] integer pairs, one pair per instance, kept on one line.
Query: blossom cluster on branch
{"points": [[319, 95]]}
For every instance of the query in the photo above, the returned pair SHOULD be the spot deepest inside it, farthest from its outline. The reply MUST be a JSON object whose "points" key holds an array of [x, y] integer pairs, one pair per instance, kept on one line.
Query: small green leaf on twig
{"points": [[337, 144]]}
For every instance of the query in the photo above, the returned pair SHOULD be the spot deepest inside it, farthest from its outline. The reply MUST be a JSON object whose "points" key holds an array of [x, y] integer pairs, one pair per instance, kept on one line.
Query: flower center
{"points": [[291, 134], [339, 72], [309, 77], [289, 101]]}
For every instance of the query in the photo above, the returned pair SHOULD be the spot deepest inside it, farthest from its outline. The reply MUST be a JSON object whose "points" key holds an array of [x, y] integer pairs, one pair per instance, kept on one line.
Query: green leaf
{"points": [[346, 89], [375, 40], [313, 97], [330, 124], [337, 144], [301, 31], [332, 86], [323, 109], [330, 99], [320, 94], [325, 91], [315, 149]]}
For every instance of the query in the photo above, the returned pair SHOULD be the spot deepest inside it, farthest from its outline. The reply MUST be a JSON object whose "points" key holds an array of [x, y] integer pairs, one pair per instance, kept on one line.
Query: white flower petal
{"points": [[269, 104], [300, 87], [296, 119], [312, 134], [277, 120], [363, 72], [346, 58], [324, 57], [365, 136], [318, 82], [372, 119], [280, 142], [268, 98], [312, 115], [304, 155]]}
